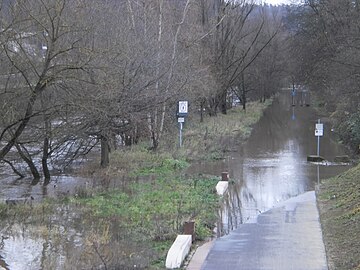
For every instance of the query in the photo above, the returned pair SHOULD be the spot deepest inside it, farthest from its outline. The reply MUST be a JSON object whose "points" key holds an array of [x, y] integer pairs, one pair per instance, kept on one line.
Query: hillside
{"points": [[339, 204]]}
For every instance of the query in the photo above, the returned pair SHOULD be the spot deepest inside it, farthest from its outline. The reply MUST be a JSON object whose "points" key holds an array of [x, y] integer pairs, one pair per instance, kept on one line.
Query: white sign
{"points": [[319, 132], [319, 129], [181, 120], [183, 107], [319, 126]]}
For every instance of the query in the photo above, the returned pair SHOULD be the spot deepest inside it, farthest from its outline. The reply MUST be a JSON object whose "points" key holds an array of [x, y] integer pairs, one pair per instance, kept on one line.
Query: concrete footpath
{"points": [[287, 237]]}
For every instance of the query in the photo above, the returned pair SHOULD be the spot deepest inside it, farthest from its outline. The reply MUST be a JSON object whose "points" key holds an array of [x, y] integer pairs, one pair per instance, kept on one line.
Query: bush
{"points": [[349, 131]]}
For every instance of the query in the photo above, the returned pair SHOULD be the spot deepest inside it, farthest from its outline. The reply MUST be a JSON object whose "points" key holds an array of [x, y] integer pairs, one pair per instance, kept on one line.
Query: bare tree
{"points": [[41, 46], [238, 37], [326, 45]]}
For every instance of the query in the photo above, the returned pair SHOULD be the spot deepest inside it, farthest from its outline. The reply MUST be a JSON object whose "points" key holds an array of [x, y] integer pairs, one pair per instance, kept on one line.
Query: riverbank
{"points": [[338, 200], [339, 206]]}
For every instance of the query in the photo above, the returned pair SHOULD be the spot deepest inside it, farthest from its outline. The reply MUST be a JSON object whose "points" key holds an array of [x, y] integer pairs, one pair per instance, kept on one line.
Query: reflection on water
{"points": [[271, 167], [13, 187], [68, 240]]}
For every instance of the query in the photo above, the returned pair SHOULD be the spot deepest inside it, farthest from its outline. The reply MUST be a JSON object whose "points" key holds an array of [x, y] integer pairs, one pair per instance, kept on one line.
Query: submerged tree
{"points": [[41, 50]]}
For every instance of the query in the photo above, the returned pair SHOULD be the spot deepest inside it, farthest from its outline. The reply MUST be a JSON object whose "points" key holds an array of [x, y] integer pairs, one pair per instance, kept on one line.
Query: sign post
{"points": [[319, 132], [181, 120], [293, 94], [182, 113]]}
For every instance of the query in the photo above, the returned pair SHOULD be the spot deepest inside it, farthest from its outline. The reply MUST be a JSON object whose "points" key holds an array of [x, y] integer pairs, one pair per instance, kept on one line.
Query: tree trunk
{"points": [[44, 159], [46, 142], [26, 157], [223, 103], [13, 168], [243, 95], [105, 151], [202, 103], [212, 108], [154, 141], [22, 125], [153, 122]]}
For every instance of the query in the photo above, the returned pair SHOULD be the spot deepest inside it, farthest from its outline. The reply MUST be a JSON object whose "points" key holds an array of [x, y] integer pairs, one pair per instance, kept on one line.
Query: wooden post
{"points": [[189, 229], [224, 176]]}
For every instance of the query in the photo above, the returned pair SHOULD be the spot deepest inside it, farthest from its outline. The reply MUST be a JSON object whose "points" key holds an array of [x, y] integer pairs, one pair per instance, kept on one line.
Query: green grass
{"points": [[339, 204], [159, 208], [154, 212], [162, 167]]}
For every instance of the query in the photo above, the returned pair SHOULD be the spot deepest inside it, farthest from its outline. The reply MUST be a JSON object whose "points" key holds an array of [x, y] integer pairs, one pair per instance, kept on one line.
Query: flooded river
{"points": [[271, 167]]}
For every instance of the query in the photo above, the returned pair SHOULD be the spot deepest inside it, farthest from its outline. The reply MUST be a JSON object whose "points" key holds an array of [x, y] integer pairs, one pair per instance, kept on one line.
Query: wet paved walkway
{"points": [[287, 237]]}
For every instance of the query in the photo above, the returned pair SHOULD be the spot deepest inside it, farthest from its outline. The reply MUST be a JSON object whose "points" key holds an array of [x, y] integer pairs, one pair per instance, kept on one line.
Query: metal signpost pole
{"points": [[182, 113], [180, 136], [318, 174], [319, 131], [293, 93], [318, 142]]}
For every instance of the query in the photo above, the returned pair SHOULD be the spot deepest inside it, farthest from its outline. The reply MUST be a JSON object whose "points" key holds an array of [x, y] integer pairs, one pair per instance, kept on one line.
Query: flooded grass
{"points": [[339, 204], [117, 229]]}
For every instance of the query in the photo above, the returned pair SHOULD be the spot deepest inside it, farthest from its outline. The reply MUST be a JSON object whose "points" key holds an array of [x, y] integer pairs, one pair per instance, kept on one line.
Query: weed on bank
{"points": [[339, 204]]}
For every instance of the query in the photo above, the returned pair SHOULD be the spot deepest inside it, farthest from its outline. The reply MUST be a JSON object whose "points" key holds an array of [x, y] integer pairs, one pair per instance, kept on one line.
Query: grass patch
{"points": [[163, 167], [339, 204], [153, 213], [159, 209]]}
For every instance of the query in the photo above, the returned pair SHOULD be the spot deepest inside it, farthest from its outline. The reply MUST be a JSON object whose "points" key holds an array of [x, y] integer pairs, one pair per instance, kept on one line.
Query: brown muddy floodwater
{"points": [[271, 167]]}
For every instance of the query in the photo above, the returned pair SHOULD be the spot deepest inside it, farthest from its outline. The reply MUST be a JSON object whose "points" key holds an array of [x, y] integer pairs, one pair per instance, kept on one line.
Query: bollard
{"points": [[189, 229], [224, 176], [178, 251]]}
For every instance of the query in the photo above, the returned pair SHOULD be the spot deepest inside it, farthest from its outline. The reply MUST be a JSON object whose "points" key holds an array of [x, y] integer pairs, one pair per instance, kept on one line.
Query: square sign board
{"points": [[319, 130], [183, 107]]}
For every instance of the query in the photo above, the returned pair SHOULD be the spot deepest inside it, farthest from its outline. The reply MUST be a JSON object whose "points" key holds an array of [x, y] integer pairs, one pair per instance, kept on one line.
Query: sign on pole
{"points": [[319, 129], [181, 114], [319, 132], [183, 107], [181, 120]]}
